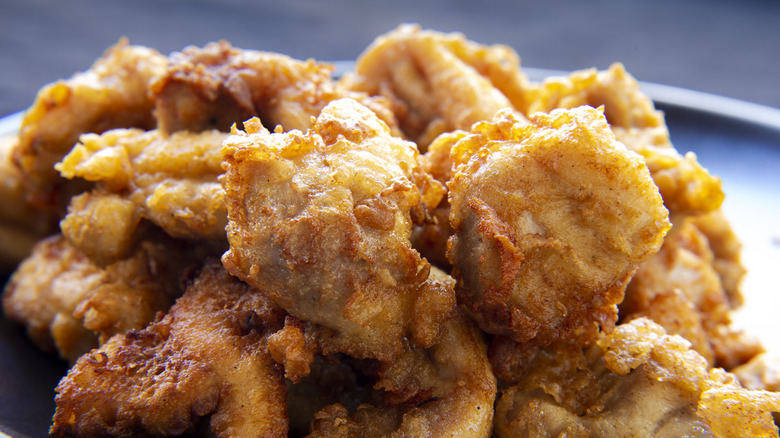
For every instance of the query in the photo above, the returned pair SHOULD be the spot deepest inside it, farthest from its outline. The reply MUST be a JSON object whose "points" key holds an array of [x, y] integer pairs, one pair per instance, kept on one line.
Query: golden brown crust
{"points": [[320, 221], [168, 180], [446, 390], [551, 218], [69, 304], [21, 225], [110, 94], [685, 185], [439, 82], [637, 381], [216, 86], [206, 357], [681, 289]]}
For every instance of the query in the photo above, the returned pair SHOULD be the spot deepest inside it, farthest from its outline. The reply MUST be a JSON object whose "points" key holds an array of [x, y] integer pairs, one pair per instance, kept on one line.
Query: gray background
{"points": [[730, 48]]}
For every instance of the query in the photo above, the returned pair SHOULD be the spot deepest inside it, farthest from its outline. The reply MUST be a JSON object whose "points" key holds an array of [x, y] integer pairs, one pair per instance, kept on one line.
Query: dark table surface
{"points": [[730, 48]]}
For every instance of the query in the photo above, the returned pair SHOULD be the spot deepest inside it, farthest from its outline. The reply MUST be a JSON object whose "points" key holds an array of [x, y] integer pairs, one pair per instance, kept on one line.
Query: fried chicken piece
{"points": [[760, 372], [637, 381], [551, 218], [69, 304], [320, 222], [205, 357], [218, 85], [444, 391], [681, 289], [726, 250], [21, 225], [169, 180], [430, 237], [439, 82], [113, 93], [685, 185]]}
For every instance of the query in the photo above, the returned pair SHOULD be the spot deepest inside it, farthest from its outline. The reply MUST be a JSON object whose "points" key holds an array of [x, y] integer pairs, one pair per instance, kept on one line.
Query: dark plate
{"points": [[736, 140]]}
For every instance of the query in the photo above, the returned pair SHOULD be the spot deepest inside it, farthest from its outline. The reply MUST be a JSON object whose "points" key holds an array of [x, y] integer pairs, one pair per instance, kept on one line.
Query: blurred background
{"points": [[725, 47]]}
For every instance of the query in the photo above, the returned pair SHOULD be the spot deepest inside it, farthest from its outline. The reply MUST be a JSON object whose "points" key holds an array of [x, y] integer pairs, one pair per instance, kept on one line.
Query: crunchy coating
{"points": [[430, 237], [320, 221], [637, 381], [69, 304], [551, 218], [439, 82], [444, 391], [685, 185], [760, 372], [21, 225], [205, 357], [681, 289], [169, 180], [113, 93], [218, 85]]}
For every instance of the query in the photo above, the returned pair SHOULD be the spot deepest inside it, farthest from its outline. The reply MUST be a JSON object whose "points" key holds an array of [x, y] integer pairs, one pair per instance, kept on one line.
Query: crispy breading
{"points": [[113, 93], [760, 372], [551, 218], [169, 180], [444, 391], [205, 357], [69, 304], [637, 381], [439, 82], [726, 250], [681, 289], [21, 225], [320, 221], [685, 185], [218, 85], [430, 237]]}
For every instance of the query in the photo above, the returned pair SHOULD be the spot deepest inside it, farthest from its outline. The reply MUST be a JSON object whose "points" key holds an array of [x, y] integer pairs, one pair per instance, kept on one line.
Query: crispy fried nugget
{"points": [[637, 381], [69, 304], [320, 221], [551, 218], [218, 85], [205, 357], [681, 289], [169, 180], [685, 185], [439, 82], [113, 93], [21, 225], [443, 391]]}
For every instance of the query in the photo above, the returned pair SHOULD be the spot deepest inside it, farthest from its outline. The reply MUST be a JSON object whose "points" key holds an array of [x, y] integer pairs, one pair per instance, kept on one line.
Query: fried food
{"points": [[551, 219], [430, 238], [70, 305], [681, 289], [637, 381], [685, 185], [218, 85], [21, 225], [439, 82], [113, 93], [320, 221], [444, 391], [205, 357], [760, 372], [168, 180], [404, 245]]}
